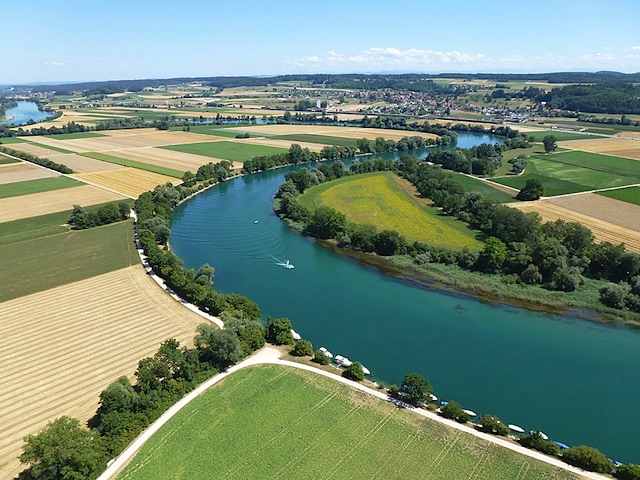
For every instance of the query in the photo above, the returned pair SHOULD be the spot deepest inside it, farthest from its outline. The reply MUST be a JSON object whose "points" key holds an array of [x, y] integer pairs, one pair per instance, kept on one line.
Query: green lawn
{"points": [[236, 152], [36, 186], [71, 136], [132, 163], [273, 421], [472, 184], [575, 171], [322, 139], [40, 226], [630, 194], [36, 265], [378, 199]]}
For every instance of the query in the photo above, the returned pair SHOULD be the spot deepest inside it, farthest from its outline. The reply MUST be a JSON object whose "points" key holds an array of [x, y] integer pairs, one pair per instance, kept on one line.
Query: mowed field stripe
{"points": [[63, 346]]}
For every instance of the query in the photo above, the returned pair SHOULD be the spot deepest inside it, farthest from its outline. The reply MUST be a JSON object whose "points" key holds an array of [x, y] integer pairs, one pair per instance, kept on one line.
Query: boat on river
{"points": [[515, 428]]}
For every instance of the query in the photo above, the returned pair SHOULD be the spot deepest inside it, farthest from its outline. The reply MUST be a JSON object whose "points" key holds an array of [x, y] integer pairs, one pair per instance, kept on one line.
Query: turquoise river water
{"points": [[576, 380]]}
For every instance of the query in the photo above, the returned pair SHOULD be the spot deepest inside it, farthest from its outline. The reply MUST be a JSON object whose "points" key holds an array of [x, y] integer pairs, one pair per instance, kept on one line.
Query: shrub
{"points": [[454, 411], [321, 358], [354, 372], [628, 472], [535, 441], [302, 348], [587, 458], [493, 425]]}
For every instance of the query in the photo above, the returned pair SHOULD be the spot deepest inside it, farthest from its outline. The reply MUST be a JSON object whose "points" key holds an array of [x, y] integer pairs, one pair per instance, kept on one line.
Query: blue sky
{"points": [[74, 40]]}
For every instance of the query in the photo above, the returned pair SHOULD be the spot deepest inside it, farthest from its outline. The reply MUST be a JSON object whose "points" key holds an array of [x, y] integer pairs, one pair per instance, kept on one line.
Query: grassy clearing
{"points": [[631, 194], [321, 139], [71, 136], [378, 199], [576, 171], [560, 136], [472, 184], [171, 172], [234, 151], [37, 186], [40, 226], [315, 428], [35, 265]]}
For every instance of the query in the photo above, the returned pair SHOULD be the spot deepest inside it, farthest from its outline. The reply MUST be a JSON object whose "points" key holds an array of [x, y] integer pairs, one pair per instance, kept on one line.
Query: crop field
{"points": [[275, 142], [630, 194], [212, 130], [23, 206], [171, 161], [18, 171], [126, 162], [574, 171], [343, 132], [128, 181], [4, 160], [63, 346], [560, 136], [603, 231], [321, 139], [39, 264], [602, 208], [37, 150], [128, 139], [497, 193], [379, 199], [71, 136], [80, 164], [234, 151], [609, 146], [8, 140], [29, 187], [275, 422]]}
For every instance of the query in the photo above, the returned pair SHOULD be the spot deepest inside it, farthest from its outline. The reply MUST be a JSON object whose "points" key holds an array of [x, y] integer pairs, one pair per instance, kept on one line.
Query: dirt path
{"points": [[270, 355]]}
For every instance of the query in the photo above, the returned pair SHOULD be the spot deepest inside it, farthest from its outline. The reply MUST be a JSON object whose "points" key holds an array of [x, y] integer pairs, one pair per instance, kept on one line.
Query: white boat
{"points": [[471, 413], [296, 335], [287, 265], [365, 370], [542, 435], [515, 428], [256, 221], [433, 398]]}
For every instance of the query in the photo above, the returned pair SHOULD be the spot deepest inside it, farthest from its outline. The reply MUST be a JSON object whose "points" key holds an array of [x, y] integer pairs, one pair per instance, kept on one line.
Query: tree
{"points": [[549, 142], [493, 425], [303, 348], [322, 358], [326, 222], [614, 295], [454, 411], [64, 450], [493, 255], [535, 441], [279, 331], [364, 145], [416, 388], [220, 348], [531, 275], [532, 190], [354, 372], [118, 397], [628, 472], [204, 275], [587, 458], [159, 227]]}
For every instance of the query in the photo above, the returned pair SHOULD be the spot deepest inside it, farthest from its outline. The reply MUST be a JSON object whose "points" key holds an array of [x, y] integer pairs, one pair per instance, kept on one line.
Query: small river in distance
{"points": [[576, 380], [23, 112]]}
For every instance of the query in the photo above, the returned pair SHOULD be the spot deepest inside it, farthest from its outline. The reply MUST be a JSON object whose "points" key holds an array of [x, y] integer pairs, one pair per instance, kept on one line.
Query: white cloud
{"points": [[55, 62], [634, 48]]}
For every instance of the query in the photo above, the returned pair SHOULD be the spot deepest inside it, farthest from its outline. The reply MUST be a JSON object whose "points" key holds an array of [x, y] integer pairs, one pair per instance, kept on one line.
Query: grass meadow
{"points": [[171, 172], [38, 185], [560, 136], [472, 184], [630, 194], [8, 140], [234, 151], [378, 199], [215, 130], [321, 139], [576, 171], [273, 421], [4, 160], [34, 265]]}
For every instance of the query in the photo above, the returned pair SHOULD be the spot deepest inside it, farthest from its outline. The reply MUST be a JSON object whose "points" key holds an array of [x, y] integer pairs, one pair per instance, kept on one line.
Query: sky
{"points": [[73, 41]]}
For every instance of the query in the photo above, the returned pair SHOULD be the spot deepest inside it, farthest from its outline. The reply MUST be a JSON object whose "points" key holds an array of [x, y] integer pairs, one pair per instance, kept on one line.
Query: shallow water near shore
{"points": [[574, 379]]}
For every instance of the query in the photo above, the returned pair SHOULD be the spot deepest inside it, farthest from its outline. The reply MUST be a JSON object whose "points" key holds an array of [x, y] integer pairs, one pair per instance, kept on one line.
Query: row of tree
{"points": [[112, 212], [44, 162]]}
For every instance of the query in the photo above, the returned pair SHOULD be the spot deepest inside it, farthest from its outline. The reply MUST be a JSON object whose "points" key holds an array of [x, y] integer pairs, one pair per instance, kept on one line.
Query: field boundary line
{"points": [[270, 355]]}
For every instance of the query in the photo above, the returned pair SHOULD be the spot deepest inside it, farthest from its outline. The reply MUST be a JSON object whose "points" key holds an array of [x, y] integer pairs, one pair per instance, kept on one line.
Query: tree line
{"points": [[44, 162], [112, 212]]}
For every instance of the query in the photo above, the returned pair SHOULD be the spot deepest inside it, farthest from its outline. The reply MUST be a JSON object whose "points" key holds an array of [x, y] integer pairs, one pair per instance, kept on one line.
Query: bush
{"points": [[587, 458], [354, 372], [535, 441], [628, 472], [454, 411], [279, 331], [493, 425], [302, 348], [321, 358]]}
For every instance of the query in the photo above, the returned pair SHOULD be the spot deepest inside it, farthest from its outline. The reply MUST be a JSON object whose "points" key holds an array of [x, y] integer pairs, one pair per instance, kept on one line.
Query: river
{"points": [[576, 380], [23, 112]]}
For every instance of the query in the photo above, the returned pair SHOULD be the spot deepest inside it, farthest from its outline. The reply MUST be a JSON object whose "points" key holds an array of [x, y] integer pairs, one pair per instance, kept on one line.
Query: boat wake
{"points": [[286, 264]]}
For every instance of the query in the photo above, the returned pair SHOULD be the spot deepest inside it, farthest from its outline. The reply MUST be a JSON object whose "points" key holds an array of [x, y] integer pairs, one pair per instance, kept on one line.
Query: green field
{"points": [[273, 421], [378, 199], [216, 130], [631, 194], [234, 151], [321, 139], [560, 136], [576, 171], [36, 265], [472, 184], [40, 226], [55, 149], [4, 160], [71, 136], [9, 140], [132, 163], [36, 186]]}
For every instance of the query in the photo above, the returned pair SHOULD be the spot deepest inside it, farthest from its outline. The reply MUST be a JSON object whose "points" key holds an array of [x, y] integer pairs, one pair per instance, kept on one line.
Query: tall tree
{"points": [[550, 143]]}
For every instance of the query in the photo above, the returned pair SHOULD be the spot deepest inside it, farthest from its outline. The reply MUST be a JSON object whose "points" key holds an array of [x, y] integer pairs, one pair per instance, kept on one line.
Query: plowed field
{"points": [[129, 181], [610, 210], [63, 346], [610, 146], [19, 172], [602, 230]]}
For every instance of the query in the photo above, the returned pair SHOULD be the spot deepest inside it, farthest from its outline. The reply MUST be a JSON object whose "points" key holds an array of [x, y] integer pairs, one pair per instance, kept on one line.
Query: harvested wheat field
{"points": [[63, 346], [25, 206], [36, 150], [611, 146], [629, 135], [81, 164], [128, 181], [131, 140], [345, 132], [602, 230], [164, 158], [19, 172], [610, 210]]}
